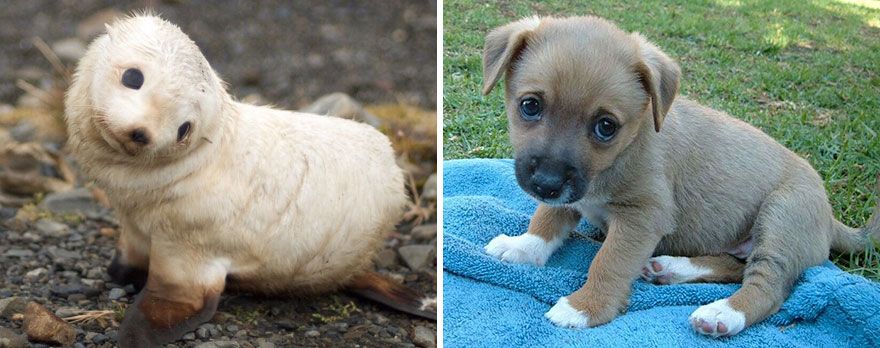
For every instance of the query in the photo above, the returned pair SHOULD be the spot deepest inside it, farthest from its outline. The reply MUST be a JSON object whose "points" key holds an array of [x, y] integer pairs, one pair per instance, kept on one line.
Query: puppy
{"points": [[598, 133]]}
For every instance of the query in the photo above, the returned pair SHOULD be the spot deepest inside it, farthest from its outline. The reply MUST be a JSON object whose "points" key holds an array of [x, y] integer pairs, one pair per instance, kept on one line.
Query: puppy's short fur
{"points": [[674, 178]]}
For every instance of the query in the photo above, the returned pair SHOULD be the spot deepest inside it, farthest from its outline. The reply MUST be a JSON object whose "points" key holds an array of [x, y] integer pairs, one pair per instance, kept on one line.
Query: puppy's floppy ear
{"points": [[502, 45], [659, 76]]}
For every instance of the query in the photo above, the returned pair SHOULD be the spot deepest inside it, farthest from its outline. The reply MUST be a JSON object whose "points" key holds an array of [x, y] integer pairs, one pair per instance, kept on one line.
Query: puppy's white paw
{"points": [[672, 270], [563, 314], [717, 319], [525, 248]]}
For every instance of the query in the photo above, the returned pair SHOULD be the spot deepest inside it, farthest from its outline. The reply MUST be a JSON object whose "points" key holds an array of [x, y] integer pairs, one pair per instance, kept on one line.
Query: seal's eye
{"points": [[530, 109], [133, 78], [183, 131]]}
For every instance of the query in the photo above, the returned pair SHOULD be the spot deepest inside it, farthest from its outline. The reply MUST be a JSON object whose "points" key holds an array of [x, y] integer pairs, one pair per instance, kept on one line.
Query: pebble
{"points": [[71, 289], [11, 339], [424, 337], [263, 343], [232, 328], [116, 293], [19, 253], [70, 49], [100, 339], [35, 274], [416, 256], [386, 258], [64, 312], [189, 337], [381, 319], [77, 201], [429, 190], [202, 333], [12, 305], [219, 344], [424, 233], [62, 255], [43, 326], [52, 228], [313, 333]]}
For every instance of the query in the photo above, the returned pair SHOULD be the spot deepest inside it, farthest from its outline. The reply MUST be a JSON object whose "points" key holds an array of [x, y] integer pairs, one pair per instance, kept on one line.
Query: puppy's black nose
{"points": [[548, 185], [550, 177], [139, 136]]}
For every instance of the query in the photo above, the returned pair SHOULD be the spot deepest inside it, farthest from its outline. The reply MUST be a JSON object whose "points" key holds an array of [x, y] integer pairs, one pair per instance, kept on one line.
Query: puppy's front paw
{"points": [[672, 270], [718, 319], [564, 315], [525, 248]]}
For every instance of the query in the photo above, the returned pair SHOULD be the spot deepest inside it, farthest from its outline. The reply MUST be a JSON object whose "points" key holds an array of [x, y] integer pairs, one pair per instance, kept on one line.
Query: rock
{"points": [[7, 213], [385, 258], [11, 339], [12, 305], [66, 312], [424, 337], [70, 49], [73, 289], [416, 256], [79, 201], [19, 253], [189, 337], [43, 326], [219, 344], [429, 190], [381, 319], [343, 106], [202, 333], [93, 26], [424, 233], [62, 255], [100, 339], [116, 293], [52, 228], [232, 328], [263, 343], [23, 132], [313, 333]]}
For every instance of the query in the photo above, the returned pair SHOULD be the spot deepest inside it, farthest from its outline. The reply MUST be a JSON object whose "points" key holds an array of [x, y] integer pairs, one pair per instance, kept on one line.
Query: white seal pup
{"points": [[214, 194]]}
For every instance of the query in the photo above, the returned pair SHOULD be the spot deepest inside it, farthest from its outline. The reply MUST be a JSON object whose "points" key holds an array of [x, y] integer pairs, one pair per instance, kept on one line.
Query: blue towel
{"points": [[487, 303]]}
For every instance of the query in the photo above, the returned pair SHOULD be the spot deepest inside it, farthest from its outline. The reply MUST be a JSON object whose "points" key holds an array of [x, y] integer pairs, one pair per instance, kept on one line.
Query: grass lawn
{"points": [[805, 72]]}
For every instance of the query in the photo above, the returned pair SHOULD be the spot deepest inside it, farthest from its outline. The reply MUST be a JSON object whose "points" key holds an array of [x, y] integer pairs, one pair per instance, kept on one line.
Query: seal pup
{"points": [[212, 194], [598, 132]]}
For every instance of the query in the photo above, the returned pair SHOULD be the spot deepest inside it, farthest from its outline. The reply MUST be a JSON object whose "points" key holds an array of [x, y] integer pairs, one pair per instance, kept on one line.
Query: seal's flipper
{"points": [[375, 287]]}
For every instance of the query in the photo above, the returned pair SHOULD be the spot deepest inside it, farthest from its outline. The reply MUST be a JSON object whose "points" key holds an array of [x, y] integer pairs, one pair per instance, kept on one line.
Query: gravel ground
{"points": [[287, 53]]}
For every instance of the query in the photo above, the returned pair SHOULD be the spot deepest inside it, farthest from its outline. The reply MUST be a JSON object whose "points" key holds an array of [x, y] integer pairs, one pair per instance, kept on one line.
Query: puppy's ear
{"points": [[659, 76], [502, 46]]}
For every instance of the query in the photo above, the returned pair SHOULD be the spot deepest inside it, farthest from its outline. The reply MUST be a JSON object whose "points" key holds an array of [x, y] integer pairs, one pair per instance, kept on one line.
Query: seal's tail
{"points": [[852, 240], [375, 287]]}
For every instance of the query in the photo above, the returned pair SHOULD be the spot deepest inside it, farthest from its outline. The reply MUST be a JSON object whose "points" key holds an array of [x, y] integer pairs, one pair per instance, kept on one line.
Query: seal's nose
{"points": [[139, 136]]}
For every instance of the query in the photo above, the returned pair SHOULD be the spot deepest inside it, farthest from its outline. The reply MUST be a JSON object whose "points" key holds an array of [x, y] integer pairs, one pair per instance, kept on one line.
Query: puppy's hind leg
{"points": [[701, 269], [547, 230], [791, 234]]}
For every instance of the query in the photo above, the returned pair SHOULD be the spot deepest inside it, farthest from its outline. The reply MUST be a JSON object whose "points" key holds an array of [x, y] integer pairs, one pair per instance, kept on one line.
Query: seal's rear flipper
{"points": [[375, 287]]}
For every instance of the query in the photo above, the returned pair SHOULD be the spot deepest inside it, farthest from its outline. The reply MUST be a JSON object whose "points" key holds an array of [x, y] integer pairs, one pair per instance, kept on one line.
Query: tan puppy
{"points": [[215, 194], [598, 133]]}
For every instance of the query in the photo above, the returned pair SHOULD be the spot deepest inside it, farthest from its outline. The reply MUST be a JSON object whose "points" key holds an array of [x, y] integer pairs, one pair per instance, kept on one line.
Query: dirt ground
{"points": [[285, 53]]}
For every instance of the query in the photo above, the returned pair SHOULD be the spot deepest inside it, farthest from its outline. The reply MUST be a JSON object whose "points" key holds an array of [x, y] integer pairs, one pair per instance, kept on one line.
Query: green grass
{"points": [[807, 73]]}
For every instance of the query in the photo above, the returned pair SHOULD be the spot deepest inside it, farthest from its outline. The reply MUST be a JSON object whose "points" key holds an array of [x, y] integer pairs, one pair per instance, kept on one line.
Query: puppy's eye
{"points": [[133, 78], [605, 128], [184, 130], [530, 109]]}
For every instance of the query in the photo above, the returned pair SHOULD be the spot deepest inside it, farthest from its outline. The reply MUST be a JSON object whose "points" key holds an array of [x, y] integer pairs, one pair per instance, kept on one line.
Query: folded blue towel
{"points": [[488, 303]]}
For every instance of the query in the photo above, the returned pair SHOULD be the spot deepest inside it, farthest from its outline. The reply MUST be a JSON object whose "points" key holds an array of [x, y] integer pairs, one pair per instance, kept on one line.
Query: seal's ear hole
{"points": [[184, 130], [133, 78]]}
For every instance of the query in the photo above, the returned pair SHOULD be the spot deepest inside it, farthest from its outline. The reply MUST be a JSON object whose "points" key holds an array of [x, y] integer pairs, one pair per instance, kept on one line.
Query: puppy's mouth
{"points": [[549, 180]]}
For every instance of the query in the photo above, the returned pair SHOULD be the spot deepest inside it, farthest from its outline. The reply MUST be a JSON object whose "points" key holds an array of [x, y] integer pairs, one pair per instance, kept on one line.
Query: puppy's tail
{"points": [[853, 240], [375, 287]]}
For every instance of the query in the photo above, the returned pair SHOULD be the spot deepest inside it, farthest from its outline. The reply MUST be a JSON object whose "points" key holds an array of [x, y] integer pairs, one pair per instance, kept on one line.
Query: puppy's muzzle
{"points": [[551, 180]]}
